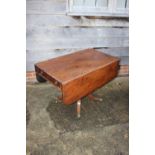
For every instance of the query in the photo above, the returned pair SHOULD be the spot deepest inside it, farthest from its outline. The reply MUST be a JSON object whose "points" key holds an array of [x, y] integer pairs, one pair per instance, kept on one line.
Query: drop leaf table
{"points": [[78, 74]]}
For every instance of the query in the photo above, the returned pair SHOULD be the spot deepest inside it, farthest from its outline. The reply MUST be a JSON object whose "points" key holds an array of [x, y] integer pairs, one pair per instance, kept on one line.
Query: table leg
{"points": [[78, 108]]}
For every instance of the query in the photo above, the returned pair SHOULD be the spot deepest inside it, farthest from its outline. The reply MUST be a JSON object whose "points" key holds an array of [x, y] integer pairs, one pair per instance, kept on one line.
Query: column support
{"points": [[78, 108]]}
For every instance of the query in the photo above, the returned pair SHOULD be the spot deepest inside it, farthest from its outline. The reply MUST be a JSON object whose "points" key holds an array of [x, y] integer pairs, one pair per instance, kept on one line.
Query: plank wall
{"points": [[52, 33]]}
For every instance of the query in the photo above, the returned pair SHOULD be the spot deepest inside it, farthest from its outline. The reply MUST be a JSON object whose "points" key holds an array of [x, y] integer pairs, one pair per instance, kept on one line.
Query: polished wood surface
{"points": [[79, 73]]}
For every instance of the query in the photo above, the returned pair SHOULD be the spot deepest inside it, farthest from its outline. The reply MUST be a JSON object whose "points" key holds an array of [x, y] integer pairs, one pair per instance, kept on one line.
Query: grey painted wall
{"points": [[51, 33]]}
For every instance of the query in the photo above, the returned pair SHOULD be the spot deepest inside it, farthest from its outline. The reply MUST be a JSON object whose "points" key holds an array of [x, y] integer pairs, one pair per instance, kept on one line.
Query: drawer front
{"points": [[84, 85], [45, 75]]}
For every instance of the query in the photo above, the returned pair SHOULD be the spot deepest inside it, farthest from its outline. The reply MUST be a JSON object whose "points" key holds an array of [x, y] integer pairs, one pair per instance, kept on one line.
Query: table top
{"points": [[71, 66]]}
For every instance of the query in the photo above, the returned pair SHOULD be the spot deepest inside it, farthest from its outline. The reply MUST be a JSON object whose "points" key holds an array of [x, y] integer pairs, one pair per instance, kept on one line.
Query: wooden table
{"points": [[78, 74]]}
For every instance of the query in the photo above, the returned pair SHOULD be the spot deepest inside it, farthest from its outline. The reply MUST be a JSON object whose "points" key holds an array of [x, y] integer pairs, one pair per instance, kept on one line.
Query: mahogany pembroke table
{"points": [[78, 74]]}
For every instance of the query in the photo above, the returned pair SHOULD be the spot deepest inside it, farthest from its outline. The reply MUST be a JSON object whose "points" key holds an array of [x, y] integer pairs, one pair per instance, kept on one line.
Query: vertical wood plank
{"points": [[46, 6], [101, 3], [78, 2], [121, 3], [127, 3], [112, 5], [89, 3]]}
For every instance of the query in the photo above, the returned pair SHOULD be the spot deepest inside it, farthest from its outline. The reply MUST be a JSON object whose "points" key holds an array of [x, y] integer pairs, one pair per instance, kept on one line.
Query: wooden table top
{"points": [[69, 67]]}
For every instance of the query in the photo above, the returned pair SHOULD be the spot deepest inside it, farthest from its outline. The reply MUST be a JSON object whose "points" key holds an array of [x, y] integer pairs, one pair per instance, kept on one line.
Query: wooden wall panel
{"points": [[89, 3], [102, 3], [46, 6], [78, 32], [121, 3], [48, 21], [78, 2], [40, 43], [52, 33]]}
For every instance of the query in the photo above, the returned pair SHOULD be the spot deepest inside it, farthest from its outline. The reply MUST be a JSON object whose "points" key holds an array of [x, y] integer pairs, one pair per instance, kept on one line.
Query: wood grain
{"points": [[75, 32], [79, 73], [46, 21], [46, 7], [33, 57], [52, 33], [78, 88], [43, 44]]}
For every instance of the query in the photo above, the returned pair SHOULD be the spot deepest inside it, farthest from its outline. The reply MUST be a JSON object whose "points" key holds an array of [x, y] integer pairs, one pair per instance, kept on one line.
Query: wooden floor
{"points": [[53, 128]]}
